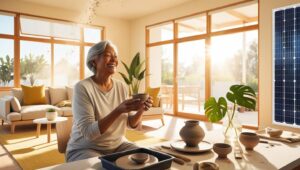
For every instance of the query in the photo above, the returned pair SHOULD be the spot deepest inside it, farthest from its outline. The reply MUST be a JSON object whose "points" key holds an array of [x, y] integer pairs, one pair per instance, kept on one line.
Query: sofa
{"points": [[10, 113]]}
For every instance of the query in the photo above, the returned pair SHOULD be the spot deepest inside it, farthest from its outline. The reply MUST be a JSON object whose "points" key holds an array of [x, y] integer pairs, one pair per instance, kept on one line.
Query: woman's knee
{"points": [[81, 154]]}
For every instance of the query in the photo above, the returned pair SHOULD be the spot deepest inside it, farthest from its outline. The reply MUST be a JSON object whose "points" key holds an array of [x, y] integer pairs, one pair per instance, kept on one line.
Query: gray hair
{"points": [[96, 50]]}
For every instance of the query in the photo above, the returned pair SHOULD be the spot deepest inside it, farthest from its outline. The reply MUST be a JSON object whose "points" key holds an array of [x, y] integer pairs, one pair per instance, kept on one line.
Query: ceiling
{"points": [[123, 9]]}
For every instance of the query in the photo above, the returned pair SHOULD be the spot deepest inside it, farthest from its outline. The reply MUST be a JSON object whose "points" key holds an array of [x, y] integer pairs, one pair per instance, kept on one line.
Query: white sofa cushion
{"points": [[69, 92], [57, 94], [154, 111], [13, 116], [15, 104], [31, 112]]}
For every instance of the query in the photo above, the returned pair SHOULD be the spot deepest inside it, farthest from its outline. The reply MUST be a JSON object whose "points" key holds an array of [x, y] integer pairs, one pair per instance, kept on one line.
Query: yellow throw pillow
{"points": [[33, 95], [153, 92]]}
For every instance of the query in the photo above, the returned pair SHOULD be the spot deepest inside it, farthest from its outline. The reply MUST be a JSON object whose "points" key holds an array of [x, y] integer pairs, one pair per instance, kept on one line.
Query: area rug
{"points": [[33, 153]]}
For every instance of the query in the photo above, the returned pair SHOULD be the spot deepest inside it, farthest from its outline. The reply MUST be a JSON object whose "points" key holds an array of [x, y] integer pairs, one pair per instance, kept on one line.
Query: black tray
{"points": [[164, 160]]}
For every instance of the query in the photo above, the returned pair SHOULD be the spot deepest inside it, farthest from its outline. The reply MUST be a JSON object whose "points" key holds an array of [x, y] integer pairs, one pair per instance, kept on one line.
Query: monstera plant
{"points": [[135, 73], [239, 95]]}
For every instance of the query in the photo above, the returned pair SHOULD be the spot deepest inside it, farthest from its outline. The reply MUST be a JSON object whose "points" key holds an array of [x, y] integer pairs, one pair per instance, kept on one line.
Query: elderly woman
{"points": [[101, 108]]}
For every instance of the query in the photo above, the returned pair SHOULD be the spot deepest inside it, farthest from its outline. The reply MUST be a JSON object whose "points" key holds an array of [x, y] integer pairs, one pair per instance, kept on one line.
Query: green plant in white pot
{"points": [[239, 95], [135, 73], [51, 114]]}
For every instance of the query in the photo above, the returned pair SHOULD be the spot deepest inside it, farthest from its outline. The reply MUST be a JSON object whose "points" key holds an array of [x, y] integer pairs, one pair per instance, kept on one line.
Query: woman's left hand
{"points": [[148, 103]]}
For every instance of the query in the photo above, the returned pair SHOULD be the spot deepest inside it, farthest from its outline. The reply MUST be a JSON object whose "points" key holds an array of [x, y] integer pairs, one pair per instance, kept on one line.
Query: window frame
{"points": [[207, 37], [17, 38]]}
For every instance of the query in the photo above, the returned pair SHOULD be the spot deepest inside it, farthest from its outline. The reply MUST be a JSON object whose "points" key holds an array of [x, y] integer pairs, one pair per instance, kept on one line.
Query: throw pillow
{"points": [[17, 92], [15, 104], [153, 92], [64, 103], [33, 95], [57, 94]]}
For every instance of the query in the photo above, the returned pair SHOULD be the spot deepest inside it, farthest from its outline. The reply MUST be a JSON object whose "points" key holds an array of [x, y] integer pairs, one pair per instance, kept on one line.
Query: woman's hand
{"points": [[130, 105], [148, 103]]}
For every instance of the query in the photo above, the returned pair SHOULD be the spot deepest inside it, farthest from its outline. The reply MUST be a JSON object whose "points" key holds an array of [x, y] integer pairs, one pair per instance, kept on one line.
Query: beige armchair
{"points": [[63, 132]]}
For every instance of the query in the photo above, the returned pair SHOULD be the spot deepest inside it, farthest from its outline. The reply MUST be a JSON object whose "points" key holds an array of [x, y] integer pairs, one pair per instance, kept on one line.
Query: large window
{"points": [[6, 62], [206, 59], [43, 51]]}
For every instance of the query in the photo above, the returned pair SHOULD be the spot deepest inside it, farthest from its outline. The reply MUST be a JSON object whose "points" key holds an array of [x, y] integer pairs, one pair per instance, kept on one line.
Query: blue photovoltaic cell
{"points": [[287, 66]]}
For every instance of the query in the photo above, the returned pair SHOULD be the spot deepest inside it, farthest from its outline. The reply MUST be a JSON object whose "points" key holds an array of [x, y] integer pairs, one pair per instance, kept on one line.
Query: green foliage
{"points": [[51, 110], [6, 69], [32, 65], [134, 74], [240, 95]]}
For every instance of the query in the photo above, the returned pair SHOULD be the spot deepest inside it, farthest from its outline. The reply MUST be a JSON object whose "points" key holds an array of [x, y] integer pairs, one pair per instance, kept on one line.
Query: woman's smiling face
{"points": [[107, 62]]}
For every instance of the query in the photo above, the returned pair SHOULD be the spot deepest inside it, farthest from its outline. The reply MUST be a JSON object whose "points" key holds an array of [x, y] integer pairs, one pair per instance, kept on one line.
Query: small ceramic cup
{"points": [[139, 158], [249, 140], [141, 96], [222, 149], [275, 133]]}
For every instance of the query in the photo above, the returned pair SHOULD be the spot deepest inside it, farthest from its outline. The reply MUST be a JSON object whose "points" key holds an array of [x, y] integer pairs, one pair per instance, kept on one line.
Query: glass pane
{"points": [[66, 65], [92, 35], [234, 18], [235, 61], [161, 73], [6, 63], [191, 77], [35, 63], [161, 33], [50, 28], [87, 71], [7, 24], [192, 26]]}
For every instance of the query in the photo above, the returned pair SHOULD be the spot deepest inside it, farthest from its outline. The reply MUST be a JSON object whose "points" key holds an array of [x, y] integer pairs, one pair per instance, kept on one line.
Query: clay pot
{"points": [[140, 158], [249, 140], [141, 96], [222, 149], [192, 134], [275, 133]]}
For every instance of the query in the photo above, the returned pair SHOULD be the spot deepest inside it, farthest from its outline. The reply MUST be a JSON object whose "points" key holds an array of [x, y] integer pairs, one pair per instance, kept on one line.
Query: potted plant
{"points": [[239, 95], [135, 73], [51, 114]]}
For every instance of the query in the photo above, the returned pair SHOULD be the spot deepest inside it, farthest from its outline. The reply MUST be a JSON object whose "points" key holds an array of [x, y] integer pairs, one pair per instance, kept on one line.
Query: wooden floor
{"points": [[153, 128]]}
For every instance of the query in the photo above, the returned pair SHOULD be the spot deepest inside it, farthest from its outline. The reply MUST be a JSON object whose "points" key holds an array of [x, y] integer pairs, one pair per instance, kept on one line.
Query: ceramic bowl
{"points": [[141, 96], [206, 166], [275, 133], [249, 140], [139, 158], [222, 149]]}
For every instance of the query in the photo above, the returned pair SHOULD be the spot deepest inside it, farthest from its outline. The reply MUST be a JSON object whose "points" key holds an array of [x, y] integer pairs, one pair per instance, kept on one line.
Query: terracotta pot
{"points": [[222, 149], [51, 115], [192, 134], [249, 140], [275, 133], [141, 96]]}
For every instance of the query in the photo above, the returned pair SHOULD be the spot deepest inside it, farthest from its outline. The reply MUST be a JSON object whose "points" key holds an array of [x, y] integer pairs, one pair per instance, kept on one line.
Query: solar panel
{"points": [[286, 65]]}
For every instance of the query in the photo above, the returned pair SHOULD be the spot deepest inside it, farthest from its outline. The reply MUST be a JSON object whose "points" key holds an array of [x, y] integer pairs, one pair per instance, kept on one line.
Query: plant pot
{"points": [[51, 115], [141, 96], [249, 140], [222, 149], [191, 133]]}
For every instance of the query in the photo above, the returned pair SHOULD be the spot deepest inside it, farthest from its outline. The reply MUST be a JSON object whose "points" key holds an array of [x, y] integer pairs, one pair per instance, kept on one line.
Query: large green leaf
{"points": [[214, 110], [128, 82], [242, 95], [134, 63], [137, 70], [128, 71], [141, 75]]}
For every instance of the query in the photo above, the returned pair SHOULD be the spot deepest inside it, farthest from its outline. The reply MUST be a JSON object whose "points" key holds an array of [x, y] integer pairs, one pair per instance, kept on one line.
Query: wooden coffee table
{"points": [[41, 121]]}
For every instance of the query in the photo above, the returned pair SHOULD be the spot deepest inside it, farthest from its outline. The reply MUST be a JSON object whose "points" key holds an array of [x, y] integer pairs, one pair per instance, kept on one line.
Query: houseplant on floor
{"points": [[239, 95], [135, 73]]}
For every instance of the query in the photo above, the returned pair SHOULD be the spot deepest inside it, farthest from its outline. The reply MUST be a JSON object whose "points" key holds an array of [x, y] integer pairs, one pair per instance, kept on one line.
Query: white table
{"points": [[46, 121], [283, 156]]}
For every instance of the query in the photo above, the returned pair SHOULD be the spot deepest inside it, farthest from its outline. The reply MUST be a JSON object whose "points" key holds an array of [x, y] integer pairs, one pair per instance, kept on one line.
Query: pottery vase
{"points": [[249, 140], [191, 133], [51, 115]]}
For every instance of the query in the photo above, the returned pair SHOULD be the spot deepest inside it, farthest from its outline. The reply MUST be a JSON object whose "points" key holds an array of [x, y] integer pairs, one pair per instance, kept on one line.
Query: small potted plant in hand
{"points": [[135, 74], [51, 114]]}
